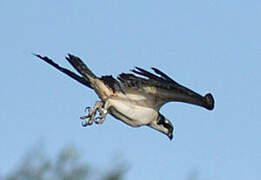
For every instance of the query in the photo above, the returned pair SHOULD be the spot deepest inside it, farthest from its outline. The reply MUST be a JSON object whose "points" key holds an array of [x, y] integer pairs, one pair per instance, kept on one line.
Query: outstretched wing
{"points": [[76, 77], [162, 88], [82, 69]]}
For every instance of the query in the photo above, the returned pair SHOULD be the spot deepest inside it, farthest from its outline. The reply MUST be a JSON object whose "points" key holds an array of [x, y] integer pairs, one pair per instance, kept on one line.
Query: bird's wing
{"points": [[76, 77], [162, 88], [86, 74]]}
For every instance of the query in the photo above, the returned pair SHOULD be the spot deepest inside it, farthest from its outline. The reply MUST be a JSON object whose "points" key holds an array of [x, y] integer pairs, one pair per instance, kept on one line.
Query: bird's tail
{"points": [[79, 65]]}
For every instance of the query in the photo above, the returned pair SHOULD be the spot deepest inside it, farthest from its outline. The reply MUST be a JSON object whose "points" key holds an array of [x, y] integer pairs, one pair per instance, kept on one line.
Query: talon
{"points": [[87, 108], [84, 117], [84, 124], [100, 121], [96, 120], [91, 112]]}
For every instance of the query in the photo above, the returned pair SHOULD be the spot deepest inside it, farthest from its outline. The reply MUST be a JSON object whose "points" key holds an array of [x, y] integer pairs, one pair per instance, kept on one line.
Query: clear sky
{"points": [[207, 45]]}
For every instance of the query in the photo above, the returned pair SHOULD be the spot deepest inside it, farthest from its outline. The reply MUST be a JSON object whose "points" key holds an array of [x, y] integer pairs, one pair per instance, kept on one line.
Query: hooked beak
{"points": [[170, 136]]}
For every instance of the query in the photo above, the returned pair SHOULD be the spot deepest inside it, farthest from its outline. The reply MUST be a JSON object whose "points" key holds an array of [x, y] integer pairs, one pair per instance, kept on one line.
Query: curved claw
{"points": [[97, 120], [84, 117], [84, 123], [87, 108]]}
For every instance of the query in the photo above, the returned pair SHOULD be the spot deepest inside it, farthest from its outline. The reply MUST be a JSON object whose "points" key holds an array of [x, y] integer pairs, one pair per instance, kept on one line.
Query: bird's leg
{"points": [[91, 114], [103, 111]]}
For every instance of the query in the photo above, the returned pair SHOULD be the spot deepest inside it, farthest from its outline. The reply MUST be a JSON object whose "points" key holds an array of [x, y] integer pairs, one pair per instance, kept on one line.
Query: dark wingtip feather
{"points": [[136, 70], [140, 69], [209, 99], [162, 74], [64, 70], [154, 69], [48, 60], [132, 70], [146, 73], [71, 56], [39, 56]]}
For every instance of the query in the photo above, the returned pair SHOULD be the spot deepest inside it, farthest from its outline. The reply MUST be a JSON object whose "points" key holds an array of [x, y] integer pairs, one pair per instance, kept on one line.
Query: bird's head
{"points": [[169, 128], [163, 125]]}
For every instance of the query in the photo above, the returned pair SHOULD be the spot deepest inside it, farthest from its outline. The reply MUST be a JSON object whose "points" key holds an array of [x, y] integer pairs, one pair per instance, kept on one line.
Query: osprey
{"points": [[135, 100]]}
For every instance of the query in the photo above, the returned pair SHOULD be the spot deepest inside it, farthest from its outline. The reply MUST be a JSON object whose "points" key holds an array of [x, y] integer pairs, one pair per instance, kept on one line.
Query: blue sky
{"points": [[206, 45]]}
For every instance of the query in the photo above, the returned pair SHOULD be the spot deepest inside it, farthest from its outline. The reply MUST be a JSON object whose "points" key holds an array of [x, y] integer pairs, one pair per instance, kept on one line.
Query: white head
{"points": [[163, 125]]}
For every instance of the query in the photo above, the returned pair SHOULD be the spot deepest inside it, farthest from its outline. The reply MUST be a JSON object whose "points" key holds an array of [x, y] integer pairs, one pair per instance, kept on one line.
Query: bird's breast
{"points": [[132, 113]]}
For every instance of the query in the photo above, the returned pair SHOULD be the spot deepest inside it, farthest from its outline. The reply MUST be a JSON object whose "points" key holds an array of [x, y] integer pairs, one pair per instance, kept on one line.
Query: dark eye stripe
{"points": [[164, 122]]}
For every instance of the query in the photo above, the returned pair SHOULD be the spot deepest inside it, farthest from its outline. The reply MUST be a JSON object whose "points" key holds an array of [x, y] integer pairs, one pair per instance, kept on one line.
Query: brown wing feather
{"points": [[163, 88], [76, 77]]}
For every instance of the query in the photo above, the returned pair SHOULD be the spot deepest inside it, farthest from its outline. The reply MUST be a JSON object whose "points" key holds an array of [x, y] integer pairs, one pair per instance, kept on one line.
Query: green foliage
{"points": [[67, 165]]}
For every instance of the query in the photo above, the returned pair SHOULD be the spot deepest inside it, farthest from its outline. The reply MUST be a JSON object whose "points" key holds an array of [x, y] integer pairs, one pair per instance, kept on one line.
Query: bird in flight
{"points": [[134, 100]]}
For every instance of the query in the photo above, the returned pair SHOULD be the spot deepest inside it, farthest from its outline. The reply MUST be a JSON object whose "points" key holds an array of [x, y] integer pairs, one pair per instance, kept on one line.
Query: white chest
{"points": [[131, 113]]}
